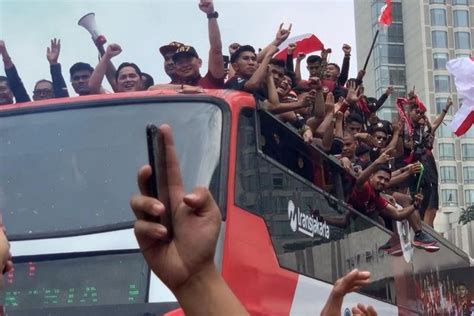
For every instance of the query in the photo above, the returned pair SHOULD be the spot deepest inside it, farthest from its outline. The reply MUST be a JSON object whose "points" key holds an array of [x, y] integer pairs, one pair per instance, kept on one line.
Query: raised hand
{"points": [[351, 282], [300, 57], [325, 53], [414, 167], [338, 106], [352, 93], [195, 220], [329, 102], [308, 99], [315, 83], [449, 103], [282, 34], [291, 48], [384, 157], [206, 6], [411, 94], [52, 53], [113, 50], [3, 47], [389, 90], [346, 48], [397, 124], [233, 47]]}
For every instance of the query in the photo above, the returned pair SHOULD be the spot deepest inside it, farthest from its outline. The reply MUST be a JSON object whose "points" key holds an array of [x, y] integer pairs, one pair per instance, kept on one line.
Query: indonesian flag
{"points": [[305, 43], [385, 18], [462, 70]]}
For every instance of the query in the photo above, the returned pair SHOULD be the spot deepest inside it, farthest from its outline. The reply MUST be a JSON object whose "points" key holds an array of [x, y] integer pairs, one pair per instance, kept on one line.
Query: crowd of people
{"points": [[441, 295], [393, 175]]}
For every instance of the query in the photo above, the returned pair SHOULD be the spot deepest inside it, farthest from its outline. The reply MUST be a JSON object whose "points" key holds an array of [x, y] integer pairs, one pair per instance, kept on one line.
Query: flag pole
{"points": [[371, 49]]}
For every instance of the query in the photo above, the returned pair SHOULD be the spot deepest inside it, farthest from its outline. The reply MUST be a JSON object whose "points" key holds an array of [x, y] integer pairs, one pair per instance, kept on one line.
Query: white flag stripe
{"points": [[462, 70], [294, 39], [459, 117]]}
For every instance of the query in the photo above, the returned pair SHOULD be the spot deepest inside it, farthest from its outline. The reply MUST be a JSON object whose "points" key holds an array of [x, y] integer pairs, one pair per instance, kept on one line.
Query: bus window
{"points": [[281, 143], [312, 232], [69, 170]]}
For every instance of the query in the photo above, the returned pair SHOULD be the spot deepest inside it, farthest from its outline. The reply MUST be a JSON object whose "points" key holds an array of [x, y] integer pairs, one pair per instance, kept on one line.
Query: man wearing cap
{"points": [[187, 61], [168, 51]]}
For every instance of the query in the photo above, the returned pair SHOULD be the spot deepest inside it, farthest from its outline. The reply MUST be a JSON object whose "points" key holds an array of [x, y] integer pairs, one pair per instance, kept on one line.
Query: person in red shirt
{"points": [[366, 199], [187, 62]]}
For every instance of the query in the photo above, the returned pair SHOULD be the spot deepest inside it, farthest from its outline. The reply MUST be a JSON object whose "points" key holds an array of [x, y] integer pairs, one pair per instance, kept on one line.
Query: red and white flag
{"points": [[385, 18], [305, 43], [462, 69]]}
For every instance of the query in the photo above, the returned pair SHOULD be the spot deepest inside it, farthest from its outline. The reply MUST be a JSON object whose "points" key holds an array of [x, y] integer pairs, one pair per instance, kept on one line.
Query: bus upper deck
{"points": [[68, 169]]}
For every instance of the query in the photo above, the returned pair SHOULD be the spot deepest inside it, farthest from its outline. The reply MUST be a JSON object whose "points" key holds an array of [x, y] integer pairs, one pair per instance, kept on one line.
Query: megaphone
{"points": [[88, 22]]}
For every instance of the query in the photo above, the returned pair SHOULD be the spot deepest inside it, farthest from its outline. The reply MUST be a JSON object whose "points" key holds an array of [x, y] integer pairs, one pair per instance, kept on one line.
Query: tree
{"points": [[466, 215]]}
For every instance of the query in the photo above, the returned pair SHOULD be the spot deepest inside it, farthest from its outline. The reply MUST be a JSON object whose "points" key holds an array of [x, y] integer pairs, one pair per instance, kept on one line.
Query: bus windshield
{"points": [[74, 169]]}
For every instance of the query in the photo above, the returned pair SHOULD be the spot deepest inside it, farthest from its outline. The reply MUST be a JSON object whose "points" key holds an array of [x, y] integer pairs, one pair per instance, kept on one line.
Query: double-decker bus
{"points": [[68, 168]]}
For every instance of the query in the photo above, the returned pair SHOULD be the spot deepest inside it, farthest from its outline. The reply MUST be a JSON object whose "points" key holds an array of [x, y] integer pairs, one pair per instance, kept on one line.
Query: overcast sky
{"points": [[142, 26]]}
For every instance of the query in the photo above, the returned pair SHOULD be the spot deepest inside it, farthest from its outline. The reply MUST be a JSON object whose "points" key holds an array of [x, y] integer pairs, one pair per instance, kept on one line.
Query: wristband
{"points": [[213, 15]]}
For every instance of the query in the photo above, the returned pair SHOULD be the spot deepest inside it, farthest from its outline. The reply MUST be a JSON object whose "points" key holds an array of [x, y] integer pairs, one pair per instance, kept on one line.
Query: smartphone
{"points": [[156, 150], [226, 61], [152, 142]]}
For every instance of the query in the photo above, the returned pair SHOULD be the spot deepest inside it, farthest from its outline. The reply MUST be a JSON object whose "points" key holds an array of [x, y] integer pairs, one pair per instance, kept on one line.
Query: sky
{"points": [[142, 26]]}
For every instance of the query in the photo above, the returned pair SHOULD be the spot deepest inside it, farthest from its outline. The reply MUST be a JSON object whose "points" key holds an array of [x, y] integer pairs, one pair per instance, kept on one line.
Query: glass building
{"points": [[425, 34]]}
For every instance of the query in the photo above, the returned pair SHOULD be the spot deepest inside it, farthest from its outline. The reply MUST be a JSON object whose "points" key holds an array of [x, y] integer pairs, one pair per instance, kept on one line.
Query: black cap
{"points": [[185, 50], [239, 51], [362, 149]]}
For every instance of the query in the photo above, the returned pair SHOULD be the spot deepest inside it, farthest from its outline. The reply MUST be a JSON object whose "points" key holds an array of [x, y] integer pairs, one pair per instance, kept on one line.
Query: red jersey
{"points": [[366, 200], [206, 82]]}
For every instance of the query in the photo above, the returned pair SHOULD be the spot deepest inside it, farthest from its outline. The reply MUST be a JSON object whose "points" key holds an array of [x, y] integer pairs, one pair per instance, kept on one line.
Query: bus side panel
{"points": [[251, 268]]}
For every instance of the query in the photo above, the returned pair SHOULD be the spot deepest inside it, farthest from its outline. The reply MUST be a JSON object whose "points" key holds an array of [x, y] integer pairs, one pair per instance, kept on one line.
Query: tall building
{"points": [[425, 34]]}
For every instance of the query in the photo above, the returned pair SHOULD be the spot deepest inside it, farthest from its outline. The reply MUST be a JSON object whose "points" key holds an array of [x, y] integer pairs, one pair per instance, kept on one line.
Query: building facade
{"points": [[413, 52]]}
